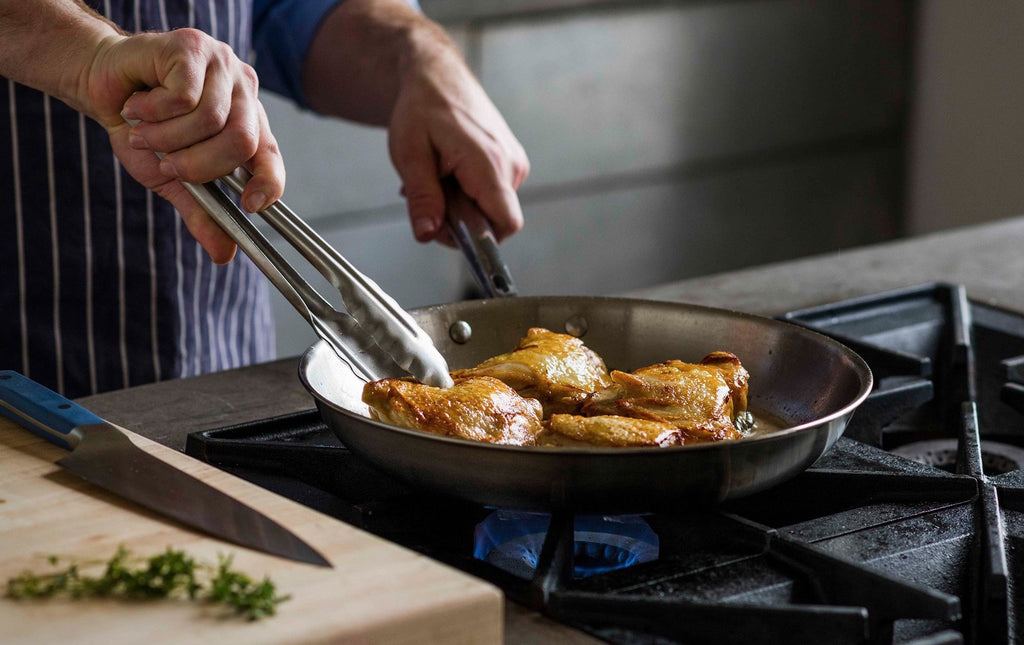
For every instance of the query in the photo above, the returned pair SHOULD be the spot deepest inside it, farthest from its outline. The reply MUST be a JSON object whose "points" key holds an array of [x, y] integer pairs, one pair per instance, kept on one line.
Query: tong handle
{"points": [[355, 287], [233, 221], [377, 314], [369, 358], [303, 297], [475, 238]]}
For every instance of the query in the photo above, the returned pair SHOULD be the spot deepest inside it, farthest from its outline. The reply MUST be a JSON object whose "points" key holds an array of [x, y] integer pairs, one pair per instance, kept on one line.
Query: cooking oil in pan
{"points": [[752, 424], [763, 423]]}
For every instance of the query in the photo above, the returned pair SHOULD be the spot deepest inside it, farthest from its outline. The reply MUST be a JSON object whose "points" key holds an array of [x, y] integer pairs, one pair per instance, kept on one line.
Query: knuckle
{"points": [[515, 225], [225, 52], [269, 144], [188, 39], [197, 36], [221, 48], [250, 77], [184, 100], [493, 158], [520, 173], [521, 162], [212, 119], [242, 142]]}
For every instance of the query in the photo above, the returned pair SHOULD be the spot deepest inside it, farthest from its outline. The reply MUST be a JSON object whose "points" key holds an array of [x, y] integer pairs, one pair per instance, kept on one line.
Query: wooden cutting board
{"points": [[377, 592]]}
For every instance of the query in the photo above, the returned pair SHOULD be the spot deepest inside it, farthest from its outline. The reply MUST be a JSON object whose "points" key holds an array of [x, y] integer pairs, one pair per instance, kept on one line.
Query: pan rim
{"points": [[860, 366]]}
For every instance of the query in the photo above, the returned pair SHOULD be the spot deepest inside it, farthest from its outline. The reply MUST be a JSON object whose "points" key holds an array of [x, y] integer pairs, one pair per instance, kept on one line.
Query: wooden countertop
{"points": [[376, 592]]}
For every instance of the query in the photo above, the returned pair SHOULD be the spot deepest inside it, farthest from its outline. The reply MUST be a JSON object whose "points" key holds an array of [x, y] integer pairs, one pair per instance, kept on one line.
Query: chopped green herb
{"points": [[166, 575]]}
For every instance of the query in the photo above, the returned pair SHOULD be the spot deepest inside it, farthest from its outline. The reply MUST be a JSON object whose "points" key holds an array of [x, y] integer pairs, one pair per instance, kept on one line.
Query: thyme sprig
{"points": [[171, 574]]}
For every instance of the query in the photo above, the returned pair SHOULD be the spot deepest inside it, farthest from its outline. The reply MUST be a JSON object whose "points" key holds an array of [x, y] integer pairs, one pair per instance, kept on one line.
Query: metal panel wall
{"points": [[667, 139]]}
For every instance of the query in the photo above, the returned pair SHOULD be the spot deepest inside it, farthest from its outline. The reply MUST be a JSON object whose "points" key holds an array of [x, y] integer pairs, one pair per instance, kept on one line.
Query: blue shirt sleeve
{"points": [[282, 31]]}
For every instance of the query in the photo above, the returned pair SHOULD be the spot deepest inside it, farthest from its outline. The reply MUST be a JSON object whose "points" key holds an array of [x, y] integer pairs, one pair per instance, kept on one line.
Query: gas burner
{"points": [[996, 457], [907, 531], [512, 541]]}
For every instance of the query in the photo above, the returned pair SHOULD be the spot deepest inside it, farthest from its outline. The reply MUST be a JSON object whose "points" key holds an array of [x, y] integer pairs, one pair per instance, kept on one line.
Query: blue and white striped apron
{"points": [[101, 285]]}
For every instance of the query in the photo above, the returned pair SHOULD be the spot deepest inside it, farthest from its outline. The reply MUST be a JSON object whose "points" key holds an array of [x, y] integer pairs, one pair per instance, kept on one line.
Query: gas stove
{"points": [[907, 531]]}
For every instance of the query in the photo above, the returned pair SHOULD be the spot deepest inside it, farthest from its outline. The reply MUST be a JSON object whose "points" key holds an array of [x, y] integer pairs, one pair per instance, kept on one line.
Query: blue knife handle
{"points": [[41, 410]]}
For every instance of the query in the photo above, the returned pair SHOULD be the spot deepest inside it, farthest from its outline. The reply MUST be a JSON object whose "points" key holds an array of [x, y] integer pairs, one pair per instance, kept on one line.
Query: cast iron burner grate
{"points": [[888, 538]]}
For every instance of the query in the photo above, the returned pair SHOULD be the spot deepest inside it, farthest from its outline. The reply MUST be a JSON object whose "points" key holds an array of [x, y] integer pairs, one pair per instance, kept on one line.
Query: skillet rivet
{"points": [[576, 326], [460, 332]]}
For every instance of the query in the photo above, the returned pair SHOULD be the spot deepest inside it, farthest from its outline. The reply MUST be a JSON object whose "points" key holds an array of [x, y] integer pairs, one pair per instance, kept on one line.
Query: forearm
{"points": [[50, 45], [361, 53], [381, 62]]}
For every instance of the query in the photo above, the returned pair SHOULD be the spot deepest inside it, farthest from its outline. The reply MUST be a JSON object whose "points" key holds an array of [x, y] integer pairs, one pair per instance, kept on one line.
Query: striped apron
{"points": [[101, 286]]}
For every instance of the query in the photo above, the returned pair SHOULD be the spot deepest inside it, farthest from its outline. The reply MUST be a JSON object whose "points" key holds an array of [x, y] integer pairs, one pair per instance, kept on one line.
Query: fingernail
{"points": [[167, 168], [135, 140], [423, 227], [256, 202], [129, 114]]}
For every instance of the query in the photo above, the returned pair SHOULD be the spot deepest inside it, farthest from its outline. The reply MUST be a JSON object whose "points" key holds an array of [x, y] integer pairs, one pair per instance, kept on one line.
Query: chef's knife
{"points": [[104, 456]]}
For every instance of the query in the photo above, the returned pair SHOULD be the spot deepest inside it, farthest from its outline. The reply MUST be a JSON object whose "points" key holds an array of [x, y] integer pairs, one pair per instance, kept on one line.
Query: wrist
{"points": [[82, 82], [421, 44], [51, 45], [365, 52]]}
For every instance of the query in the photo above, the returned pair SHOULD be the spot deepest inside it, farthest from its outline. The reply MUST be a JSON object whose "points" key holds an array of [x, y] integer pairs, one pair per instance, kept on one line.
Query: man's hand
{"points": [[196, 104], [195, 100], [444, 124], [381, 62]]}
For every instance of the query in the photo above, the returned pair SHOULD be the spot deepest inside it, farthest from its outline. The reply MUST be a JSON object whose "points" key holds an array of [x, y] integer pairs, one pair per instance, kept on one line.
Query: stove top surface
{"points": [[907, 531]]}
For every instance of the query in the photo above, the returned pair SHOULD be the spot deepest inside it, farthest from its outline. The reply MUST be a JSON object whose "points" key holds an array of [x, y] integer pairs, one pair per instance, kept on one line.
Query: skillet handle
{"points": [[475, 238]]}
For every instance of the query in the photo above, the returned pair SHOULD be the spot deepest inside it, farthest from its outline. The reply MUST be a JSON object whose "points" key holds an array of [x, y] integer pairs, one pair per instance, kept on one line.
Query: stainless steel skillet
{"points": [[809, 382]]}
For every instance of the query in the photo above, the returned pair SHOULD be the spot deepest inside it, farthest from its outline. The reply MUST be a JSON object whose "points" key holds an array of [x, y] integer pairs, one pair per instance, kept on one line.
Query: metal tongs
{"points": [[376, 334], [373, 336]]}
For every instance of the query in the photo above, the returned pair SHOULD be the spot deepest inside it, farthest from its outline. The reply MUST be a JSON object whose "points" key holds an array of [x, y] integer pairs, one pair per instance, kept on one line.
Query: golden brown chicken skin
{"points": [[556, 369], [480, 408], [735, 375], [702, 400], [611, 432]]}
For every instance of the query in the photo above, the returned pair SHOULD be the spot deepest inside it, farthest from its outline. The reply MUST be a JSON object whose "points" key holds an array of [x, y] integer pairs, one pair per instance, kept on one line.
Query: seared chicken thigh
{"points": [[613, 432], [479, 408], [556, 369], [551, 376], [702, 400]]}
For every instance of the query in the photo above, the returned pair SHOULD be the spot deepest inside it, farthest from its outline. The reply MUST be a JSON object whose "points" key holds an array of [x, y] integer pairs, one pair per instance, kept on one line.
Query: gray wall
{"points": [[966, 141], [667, 140]]}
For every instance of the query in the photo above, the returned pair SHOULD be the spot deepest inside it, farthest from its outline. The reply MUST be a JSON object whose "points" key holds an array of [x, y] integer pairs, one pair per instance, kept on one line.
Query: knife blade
{"points": [[103, 455]]}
